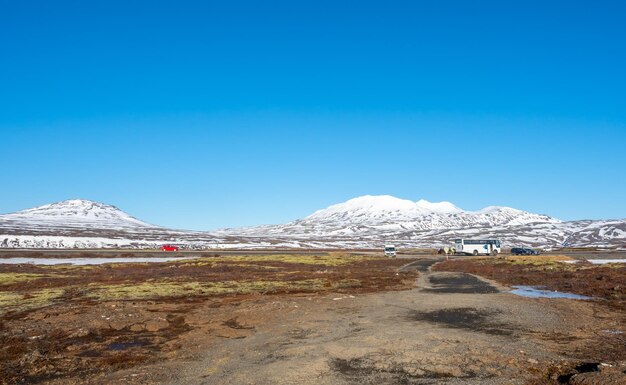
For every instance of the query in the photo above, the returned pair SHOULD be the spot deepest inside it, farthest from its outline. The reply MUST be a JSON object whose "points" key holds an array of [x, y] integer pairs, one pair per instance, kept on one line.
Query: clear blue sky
{"points": [[203, 115]]}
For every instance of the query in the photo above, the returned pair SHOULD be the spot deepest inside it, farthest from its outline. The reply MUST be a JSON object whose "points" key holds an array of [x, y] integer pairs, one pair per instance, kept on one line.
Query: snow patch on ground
{"points": [[600, 261], [86, 261]]}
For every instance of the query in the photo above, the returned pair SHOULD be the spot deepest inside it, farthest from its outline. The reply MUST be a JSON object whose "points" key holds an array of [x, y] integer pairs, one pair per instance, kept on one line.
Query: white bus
{"points": [[477, 246]]}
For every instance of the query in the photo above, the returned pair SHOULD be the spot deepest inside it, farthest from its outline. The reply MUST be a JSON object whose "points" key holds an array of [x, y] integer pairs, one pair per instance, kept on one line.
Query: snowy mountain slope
{"points": [[363, 222], [376, 220], [380, 210], [385, 213], [611, 232], [81, 223], [75, 212]]}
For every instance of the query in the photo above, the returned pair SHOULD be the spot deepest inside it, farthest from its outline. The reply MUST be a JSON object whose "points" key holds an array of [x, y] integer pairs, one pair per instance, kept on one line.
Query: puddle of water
{"points": [[599, 261], [85, 261], [534, 292]]}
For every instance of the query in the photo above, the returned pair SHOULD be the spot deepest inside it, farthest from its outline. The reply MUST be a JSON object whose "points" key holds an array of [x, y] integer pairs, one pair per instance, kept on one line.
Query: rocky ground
{"points": [[342, 320], [63, 321]]}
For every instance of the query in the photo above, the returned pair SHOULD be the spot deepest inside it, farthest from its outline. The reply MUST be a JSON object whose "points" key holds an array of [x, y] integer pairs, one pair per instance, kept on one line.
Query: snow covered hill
{"points": [[363, 222], [394, 213], [384, 214], [75, 213], [371, 221], [79, 223]]}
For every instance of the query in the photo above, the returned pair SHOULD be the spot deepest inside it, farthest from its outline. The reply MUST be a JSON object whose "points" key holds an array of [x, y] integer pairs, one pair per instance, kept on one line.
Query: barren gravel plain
{"points": [[311, 318]]}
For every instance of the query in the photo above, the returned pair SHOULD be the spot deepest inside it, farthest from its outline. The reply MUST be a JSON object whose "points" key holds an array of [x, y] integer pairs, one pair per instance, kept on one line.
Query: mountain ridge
{"points": [[362, 222], [76, 211], [389, 213]]}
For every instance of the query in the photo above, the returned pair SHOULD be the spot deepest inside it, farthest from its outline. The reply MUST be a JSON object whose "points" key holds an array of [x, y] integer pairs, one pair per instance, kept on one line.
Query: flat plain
{"points": [[349, 317]]}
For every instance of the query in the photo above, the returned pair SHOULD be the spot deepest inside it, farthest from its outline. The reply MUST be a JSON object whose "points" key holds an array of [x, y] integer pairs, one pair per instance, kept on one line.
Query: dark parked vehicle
{"points": [[523, 251]]}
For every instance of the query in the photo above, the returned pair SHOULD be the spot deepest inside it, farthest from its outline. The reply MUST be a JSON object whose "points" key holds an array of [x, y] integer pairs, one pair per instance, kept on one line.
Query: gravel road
{"points": [[453, 328]]}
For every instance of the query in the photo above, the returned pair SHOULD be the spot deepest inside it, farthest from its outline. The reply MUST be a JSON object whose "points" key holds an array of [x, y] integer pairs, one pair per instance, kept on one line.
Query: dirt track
{"points": [[452, 328]]}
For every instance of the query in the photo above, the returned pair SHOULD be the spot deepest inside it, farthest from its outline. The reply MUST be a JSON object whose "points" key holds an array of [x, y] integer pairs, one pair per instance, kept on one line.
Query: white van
{"points": [[390, 251]]}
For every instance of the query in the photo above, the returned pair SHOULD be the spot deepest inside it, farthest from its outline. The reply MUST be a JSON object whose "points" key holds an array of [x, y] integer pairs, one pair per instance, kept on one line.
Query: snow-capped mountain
{"points": [[79, 223], [382, 214], [612, 232], [392, 212], [75, 212], [371, 221], [363, 222]]}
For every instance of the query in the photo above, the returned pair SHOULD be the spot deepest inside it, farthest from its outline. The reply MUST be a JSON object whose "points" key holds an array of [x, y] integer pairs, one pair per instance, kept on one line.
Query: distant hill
{"points": [[363, 222]]}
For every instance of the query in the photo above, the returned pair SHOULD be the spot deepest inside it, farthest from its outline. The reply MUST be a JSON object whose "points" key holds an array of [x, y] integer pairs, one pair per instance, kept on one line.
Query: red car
{"points": [[169, 248]]}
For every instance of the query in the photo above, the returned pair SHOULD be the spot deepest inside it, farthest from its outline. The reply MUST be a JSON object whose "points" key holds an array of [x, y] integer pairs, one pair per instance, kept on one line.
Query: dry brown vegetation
{"points": [[605, 283], [201, 277], [50, 316]]}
